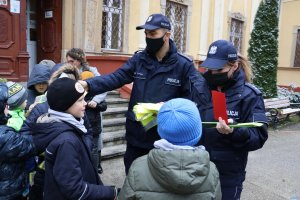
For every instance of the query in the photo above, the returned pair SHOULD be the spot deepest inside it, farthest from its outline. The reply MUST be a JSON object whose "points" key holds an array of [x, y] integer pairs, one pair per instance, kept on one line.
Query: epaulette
{"points": [[254, 88], [138, 51], [186, 57]]}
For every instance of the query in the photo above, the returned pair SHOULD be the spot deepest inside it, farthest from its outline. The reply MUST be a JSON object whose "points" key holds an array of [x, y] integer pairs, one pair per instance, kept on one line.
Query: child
{"points": [[176, 168], [28, 128], [94, 116], [69, 172], [95, 104], [17, 96], [15, 148], [37, 83]]}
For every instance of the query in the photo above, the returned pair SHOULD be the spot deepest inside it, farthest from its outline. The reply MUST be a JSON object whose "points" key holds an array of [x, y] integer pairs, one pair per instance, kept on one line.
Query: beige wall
{"points": [[135, 11], [208, 20], [81, 21], [195, 28], [288, 25], [219, 13], [76, 22], [138, 11], [288, 75], [67, 24]]}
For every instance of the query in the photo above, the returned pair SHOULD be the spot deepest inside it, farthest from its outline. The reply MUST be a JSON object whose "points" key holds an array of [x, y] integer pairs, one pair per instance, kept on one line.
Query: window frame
{"points": [[239, 18], [108, 28], [184, 38], [297, 49]]}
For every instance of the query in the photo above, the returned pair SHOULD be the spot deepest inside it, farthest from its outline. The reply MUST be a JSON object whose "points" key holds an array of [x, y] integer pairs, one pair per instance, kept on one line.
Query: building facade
{"points": [[105, 29], [289, 44]]}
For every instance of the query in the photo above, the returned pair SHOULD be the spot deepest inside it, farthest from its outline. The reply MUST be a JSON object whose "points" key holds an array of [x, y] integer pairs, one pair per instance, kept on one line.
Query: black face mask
{"points": [[154, 45], [215, 80]]}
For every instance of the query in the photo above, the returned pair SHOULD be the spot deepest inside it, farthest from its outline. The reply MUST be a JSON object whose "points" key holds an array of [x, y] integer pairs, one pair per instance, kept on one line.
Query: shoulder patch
{"points": [[186, 57], [253, 88]]}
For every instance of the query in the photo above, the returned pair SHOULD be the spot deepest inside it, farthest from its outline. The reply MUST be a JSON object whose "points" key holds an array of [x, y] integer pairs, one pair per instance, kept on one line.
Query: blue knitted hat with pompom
{"points": [[179, 122]]}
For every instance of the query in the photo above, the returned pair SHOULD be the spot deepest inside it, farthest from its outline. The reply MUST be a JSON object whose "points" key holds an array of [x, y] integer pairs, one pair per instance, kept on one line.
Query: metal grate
{"points": [[297, 52], [236, 33], [177, 14], [112, 24]]}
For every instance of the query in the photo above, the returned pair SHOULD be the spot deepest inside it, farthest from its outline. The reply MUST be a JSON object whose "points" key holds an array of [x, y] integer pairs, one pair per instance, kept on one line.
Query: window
{"points": [[112, 24], [236, 33], [177, 14], [297, 52]]}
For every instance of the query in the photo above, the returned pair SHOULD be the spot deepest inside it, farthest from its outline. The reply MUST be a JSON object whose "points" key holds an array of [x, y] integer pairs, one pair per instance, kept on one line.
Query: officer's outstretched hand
{"points": [[223, 128]]}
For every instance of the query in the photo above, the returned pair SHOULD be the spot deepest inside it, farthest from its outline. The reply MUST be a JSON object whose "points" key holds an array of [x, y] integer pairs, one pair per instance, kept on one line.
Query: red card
{"points": [[219, 104]]}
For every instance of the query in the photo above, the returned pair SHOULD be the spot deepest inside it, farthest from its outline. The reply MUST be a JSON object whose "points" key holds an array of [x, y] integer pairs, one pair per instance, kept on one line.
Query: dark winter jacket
{"points": [[69, 171], [14, 150], [230, 152], [39, 74], [28, 127], [176, 174], [153, 82], [95, 117], [94, 114]]}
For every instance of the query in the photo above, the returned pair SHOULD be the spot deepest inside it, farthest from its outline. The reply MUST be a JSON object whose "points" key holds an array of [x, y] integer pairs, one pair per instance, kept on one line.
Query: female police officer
{"points": [[228, 147]]}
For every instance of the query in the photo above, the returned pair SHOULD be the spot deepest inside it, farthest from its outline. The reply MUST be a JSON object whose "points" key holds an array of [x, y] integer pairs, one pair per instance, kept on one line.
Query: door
{"points": [[13, 53], [49, 37], [31, 36]]}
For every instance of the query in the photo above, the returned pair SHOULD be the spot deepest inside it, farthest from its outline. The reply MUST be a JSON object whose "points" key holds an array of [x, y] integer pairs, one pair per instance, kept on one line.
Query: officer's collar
{"points": [[167, 60]]}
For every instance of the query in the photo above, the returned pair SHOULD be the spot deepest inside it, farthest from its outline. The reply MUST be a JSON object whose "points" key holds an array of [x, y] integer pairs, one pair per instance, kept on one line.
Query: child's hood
{"points": [[39, 74], [47, 129]]}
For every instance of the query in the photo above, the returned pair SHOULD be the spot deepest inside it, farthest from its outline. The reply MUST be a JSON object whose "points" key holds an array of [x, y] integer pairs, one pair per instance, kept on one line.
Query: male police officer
{"points": [[159, 73]]}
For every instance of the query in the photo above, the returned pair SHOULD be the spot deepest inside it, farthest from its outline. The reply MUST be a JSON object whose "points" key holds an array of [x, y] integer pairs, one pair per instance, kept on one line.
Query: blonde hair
{"points": [[244, 63], [68, 70]]}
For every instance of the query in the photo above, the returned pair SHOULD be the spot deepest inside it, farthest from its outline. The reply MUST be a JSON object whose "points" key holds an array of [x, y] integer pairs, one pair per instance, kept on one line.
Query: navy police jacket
{"points": [[230, 152], [153, 82]]}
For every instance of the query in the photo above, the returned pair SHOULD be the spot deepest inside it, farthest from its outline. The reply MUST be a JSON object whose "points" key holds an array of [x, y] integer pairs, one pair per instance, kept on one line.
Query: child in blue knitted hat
{"points": [[176, 168], [179, 125]]}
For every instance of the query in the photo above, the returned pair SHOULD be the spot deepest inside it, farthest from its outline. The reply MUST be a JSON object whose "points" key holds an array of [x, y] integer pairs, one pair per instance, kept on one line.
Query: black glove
{"points": [[102, 106]]}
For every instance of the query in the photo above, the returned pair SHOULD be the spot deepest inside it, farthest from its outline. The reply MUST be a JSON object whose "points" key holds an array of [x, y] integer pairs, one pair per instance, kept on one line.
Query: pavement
{"points": [[273, 172]]}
